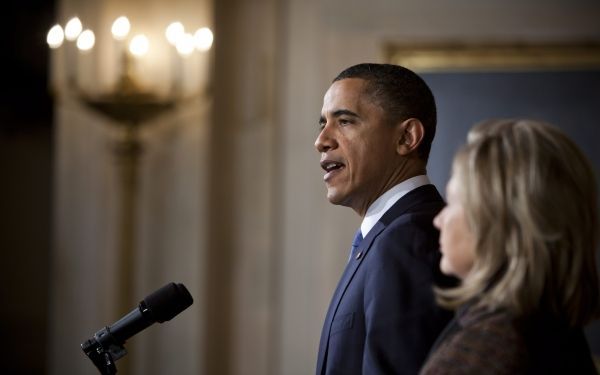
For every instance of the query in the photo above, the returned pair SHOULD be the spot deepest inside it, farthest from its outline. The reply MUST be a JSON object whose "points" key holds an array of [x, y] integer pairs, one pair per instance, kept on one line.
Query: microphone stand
{"points": [[107, 345], [104, 350]]}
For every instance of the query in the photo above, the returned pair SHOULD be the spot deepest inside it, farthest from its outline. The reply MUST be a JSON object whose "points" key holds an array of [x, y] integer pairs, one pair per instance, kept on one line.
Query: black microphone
{"points": [[106, 346]]}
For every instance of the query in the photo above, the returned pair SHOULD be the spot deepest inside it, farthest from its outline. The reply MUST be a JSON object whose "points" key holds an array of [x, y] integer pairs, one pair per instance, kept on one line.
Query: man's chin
{"points": [[335, 198]]}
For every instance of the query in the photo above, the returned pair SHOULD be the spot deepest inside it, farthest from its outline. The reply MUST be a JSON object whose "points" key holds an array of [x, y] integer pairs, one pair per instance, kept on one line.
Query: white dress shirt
{"points": [[387, 200]]}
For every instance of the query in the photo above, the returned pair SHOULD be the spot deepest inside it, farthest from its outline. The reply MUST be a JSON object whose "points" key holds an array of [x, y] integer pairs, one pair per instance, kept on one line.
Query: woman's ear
{"points": [[412, 133]]}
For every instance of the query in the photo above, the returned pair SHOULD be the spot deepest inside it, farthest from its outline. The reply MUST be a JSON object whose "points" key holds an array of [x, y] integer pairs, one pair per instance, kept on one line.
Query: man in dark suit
{"points": [[376, 129]]}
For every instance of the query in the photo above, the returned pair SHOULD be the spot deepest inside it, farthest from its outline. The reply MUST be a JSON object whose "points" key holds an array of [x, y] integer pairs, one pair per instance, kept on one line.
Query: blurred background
{"points": [[130, 159]]}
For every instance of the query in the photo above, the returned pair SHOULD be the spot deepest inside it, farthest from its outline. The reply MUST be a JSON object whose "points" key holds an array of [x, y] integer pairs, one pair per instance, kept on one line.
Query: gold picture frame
{"points": [[460, 57]]}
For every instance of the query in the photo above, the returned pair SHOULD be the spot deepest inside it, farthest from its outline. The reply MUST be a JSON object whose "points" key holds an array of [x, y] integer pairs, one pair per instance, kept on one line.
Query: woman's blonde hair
{"points": [[530, 200]]}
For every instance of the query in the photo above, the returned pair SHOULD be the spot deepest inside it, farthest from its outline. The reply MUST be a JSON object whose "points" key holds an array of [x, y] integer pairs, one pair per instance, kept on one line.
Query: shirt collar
{"points": [[387, 200]]}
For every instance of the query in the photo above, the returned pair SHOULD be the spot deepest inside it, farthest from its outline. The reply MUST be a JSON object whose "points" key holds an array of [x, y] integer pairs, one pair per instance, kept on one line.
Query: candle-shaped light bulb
{"points": [[139, 45], [174, 31], [86, 40], [73, 29], [120, 28], [56, 36], [185, 44], [203, 39]]}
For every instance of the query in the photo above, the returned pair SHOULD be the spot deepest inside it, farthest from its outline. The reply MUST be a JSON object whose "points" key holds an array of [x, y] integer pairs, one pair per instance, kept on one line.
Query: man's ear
{"points": [[412, 133]]}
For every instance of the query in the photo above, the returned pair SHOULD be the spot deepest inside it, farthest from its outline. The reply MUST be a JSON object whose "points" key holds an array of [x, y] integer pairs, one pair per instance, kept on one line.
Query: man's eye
{"points": [[322, 123], [344, 121]]}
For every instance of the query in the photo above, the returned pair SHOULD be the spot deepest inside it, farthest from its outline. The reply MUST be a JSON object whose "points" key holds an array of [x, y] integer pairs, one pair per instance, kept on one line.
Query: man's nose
{"points": [[325, 141]]}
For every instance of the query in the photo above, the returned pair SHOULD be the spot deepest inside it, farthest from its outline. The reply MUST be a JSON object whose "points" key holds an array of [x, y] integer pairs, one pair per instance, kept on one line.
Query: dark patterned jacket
{"points": [[478, 341]]}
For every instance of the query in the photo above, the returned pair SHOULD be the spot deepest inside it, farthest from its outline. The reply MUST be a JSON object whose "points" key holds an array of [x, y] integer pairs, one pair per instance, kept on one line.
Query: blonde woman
{"points": [[520, 230]]}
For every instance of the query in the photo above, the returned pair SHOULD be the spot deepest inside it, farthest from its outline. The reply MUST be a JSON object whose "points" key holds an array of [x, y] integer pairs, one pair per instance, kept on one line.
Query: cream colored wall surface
{"points": [[171, 235], [83, 249]]}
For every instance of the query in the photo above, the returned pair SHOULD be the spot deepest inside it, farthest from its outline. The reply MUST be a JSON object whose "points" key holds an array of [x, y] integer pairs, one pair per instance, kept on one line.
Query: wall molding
{"points": [[461, 57]]}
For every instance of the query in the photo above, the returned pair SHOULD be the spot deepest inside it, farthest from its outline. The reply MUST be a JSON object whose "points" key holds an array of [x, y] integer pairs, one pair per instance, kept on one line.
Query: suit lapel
{"points": [[349, 272]]}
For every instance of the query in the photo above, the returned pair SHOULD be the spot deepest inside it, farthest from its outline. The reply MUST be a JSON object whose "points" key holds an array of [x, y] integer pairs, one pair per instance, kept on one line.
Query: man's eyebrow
{"points": [[344, 112], [337, 113]]}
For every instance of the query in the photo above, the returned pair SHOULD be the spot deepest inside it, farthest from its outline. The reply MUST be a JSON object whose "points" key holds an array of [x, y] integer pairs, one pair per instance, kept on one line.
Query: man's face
{"points": [[357, 146]]}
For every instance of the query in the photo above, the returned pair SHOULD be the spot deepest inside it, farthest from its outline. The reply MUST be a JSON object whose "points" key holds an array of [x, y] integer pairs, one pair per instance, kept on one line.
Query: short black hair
{"points": [[401, 93]]}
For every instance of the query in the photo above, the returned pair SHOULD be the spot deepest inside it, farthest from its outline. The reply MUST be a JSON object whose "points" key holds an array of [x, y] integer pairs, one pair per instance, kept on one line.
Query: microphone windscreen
{"points": [[168, 301]]}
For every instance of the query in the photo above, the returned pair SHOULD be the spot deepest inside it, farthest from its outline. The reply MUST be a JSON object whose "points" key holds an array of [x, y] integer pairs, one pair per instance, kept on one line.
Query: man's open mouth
{"points": [[331, 167]]}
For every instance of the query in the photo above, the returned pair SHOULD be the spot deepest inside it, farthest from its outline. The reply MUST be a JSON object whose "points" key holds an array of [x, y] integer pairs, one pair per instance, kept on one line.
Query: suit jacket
{"points": [[383, 318], [480, 341]]}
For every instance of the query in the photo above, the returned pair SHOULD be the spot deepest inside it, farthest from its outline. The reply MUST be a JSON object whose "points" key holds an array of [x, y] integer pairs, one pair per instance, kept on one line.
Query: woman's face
{"points": [[457, 242]]}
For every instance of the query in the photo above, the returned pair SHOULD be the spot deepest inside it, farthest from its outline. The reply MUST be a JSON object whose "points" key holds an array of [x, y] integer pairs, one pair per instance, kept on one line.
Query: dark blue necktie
{"points": [[355, 243]]}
